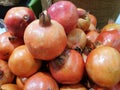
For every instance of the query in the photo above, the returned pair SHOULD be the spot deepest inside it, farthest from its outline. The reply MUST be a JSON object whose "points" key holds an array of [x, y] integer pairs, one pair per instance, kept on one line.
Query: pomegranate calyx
{"points": [[87, 50], [78, 49], [12, 38], [44, 19], [89, 47], [97, 44], [26, 18], [59, 61]]}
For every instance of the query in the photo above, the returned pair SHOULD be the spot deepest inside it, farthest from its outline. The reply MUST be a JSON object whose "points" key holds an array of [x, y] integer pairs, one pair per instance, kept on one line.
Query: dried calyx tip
{"points": [[44, 18]]}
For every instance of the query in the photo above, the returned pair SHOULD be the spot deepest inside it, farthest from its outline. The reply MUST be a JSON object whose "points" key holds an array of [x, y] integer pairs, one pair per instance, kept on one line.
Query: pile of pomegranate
{"points": [[63, 49]]}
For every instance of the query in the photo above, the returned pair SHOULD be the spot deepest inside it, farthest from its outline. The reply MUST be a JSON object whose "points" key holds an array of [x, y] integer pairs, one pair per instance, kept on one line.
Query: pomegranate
{"points": [[65, 12], [81, 12], [109, 38], [83, 20], [68, 68], [41, 81], [47, 38], [92, 35], [17, 18], [110, 27], [103, 66], [22, 63], [93, 19], [76, 39]]}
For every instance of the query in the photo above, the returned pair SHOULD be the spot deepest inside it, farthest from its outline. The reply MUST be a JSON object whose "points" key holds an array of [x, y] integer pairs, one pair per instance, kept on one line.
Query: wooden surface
{"points": [[102, 9]]}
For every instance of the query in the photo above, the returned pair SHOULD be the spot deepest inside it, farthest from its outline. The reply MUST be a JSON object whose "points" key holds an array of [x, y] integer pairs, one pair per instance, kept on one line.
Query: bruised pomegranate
{"points": [[65, 12], [17, 18], [45, 38]]}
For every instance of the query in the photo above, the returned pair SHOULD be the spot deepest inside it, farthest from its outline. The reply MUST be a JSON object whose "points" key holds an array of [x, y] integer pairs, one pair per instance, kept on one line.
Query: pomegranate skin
{"points": [[65, 12], [17, 19], [45, 42]]}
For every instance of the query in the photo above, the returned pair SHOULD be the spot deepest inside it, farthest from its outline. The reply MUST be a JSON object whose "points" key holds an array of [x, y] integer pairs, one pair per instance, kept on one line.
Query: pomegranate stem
{"points": [[44, 19]]}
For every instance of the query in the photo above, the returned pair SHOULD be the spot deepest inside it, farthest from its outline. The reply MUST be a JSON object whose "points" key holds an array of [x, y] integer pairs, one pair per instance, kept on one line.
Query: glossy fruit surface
{"points": [[22, 63], [103, 66], [109, 38]]}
